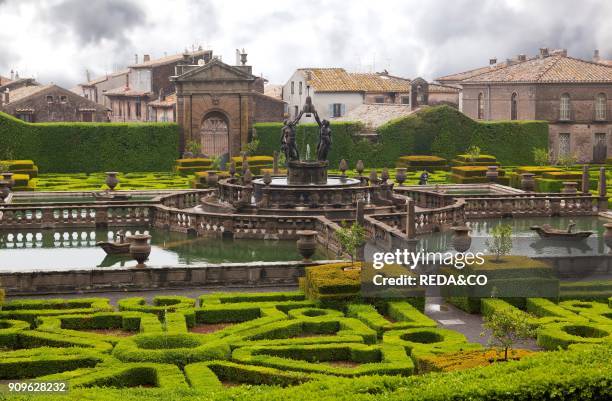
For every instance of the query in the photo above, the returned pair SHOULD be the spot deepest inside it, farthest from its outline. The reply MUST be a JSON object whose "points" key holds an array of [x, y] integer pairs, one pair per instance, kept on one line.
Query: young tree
{"points": [[500, 243], [505, 329], [473, 153], [351, 238], [540, 156]]}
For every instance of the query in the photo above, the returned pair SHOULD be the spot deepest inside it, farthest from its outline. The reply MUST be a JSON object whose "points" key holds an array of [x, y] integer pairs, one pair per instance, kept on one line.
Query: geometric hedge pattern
{"points": [[261, 338]]}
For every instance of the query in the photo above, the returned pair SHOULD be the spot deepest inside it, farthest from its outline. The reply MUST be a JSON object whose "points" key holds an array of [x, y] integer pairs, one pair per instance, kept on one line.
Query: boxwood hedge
{"points": [[89, 147], [441, 131]]}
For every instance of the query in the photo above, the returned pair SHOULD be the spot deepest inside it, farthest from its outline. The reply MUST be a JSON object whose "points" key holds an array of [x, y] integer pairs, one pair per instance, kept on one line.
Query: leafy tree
{"points": [[567, 161], [251, 147], [473, 153], [194, 147], [540, 156], [505, 329], [351, 238], [500, 243]]}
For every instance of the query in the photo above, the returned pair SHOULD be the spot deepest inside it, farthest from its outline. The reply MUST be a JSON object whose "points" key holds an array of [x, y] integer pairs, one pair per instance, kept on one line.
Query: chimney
{"points": [[543, 52], [237, 56], [559, 52], [135, 58], [493, 61], [7, 98], [146, 58], [522, 57], [13, 72], [596, 58]]}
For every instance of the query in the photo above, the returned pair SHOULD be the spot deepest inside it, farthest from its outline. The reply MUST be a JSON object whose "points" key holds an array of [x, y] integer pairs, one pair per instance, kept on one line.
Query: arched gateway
{"points": [[214, 134]]}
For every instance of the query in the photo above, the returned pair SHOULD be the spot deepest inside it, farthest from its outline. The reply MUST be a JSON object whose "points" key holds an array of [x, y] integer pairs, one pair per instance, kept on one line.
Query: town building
{"points": [[217, 105], [129, 92], [96, 89], [573, 95], [50, 103], [335, 92]]}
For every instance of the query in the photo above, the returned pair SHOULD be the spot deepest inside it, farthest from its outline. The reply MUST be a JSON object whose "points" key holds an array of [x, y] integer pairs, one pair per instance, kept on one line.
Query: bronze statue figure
{"points": [[325, 139], [288, 139]]}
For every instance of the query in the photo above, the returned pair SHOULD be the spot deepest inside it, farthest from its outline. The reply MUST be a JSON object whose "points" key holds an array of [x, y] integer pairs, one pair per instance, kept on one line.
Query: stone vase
{"points": [[384, 176], [400, 175], [569, 187], [212, 178], [4, 190], [373, 177], [267, 178], [492, 173], [307, 243], [527, 182], [608, 235], [359, 167], [8, 177], [461, 238], [140, 249], [111, 179], [343, 167]]}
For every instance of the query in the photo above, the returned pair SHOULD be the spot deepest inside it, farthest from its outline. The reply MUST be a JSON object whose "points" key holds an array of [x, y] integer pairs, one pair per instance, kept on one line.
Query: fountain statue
{"points": [[325, 139], [306, 172]]}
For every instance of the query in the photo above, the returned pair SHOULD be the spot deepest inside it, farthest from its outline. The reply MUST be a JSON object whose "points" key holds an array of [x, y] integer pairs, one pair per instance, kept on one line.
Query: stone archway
{"points": [[214, 134]]}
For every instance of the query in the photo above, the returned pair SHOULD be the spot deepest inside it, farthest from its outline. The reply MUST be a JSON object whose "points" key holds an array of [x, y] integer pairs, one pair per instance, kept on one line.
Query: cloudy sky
{"points": [[58, 40]]}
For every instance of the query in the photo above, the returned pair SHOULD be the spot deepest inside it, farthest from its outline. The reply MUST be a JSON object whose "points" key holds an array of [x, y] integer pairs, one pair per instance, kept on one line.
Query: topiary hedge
{"points": [[89, 147], [440, 131]]}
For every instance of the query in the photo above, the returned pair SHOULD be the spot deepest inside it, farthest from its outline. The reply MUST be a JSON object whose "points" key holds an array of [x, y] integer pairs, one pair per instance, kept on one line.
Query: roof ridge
{"points": [[557, 59]]}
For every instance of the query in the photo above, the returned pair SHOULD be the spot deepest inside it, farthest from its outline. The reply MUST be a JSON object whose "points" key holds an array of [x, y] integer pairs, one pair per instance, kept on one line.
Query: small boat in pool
{"points": [[120, 247], [546, 231]]}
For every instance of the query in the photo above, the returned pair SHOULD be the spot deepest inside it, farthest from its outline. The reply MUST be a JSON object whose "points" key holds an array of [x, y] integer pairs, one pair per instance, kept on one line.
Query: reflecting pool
{"points": [[70, 249]]}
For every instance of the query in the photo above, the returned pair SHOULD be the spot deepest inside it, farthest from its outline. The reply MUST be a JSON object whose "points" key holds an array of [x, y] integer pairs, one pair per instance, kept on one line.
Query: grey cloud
{"points": [[95, 20]]}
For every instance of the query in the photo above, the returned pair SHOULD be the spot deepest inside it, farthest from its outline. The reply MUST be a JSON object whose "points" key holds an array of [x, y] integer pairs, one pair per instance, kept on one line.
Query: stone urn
{"points": [[267, 178], [569, 187], [492, 173], [461, 238], [307, 243], [4, 190], [8, 177], [343, 167], [384, 176], [527, 182], [247, 177], [359, 167], [140, 249], [373, 177], [400, 175], [111, 179], [212, 178]]}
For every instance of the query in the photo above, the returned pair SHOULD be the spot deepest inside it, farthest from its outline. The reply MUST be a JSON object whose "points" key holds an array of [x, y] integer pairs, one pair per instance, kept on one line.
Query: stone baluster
{"points": [[585, 179], [603, 198]]}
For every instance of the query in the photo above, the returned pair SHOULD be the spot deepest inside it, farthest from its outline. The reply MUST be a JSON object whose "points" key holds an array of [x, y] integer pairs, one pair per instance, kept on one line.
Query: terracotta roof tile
{"points": [[169, 59], [4, 80], [105, 77], [25, 91], [169, 101], [436, 88], [375, 115], [338, 80], [551, 69]]}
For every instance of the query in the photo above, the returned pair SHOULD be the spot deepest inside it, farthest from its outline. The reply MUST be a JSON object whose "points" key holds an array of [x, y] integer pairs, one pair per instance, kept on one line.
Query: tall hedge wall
{"points": [[441, 131], [90, 147]]}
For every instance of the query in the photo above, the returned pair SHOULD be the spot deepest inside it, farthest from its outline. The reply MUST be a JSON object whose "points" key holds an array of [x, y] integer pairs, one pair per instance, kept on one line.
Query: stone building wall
{"points": [[74, 108]]}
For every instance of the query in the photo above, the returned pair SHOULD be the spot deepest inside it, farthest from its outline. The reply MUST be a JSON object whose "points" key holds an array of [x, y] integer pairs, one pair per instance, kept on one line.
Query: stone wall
{"points": [[125, 279]]}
